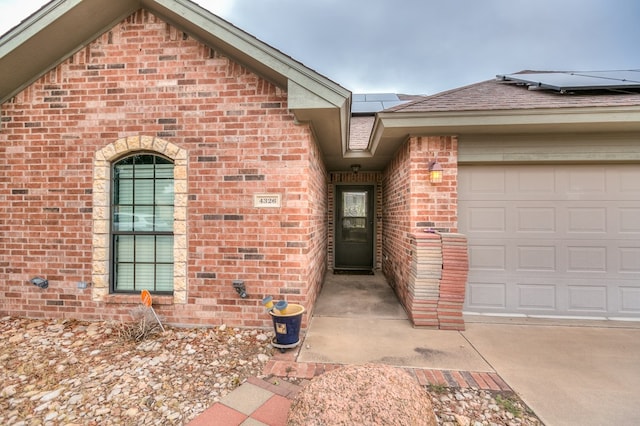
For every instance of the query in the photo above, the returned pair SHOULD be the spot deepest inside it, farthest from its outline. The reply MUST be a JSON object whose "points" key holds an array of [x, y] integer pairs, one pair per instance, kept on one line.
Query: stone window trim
{"points": [[101, 256]]}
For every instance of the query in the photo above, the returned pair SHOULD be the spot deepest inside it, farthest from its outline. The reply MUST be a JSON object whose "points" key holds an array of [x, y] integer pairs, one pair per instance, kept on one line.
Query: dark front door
{"points": [[354, 227]]}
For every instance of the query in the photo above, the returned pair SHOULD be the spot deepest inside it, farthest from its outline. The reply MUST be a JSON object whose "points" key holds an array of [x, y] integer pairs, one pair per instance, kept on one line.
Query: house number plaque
{"points": [[266, 200]]}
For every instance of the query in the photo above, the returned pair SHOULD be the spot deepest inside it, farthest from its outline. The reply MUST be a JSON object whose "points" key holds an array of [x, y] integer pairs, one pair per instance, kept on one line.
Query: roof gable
{"points": [[62, 27]]}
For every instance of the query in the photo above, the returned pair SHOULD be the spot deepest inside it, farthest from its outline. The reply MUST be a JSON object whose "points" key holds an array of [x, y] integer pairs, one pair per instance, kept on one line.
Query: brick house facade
{"points": [[244, 158], [157, 145], [234, 125]]}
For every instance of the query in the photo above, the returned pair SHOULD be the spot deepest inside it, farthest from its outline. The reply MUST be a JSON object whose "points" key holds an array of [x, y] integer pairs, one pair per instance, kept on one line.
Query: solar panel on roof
{"points": [[579, 80], [625, 75], [381, 97], [371, 103], [366, 107]]}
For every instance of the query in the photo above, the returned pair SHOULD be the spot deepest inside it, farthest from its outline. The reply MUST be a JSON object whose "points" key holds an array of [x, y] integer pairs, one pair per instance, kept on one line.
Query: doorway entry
{"points": [[354, 229]]}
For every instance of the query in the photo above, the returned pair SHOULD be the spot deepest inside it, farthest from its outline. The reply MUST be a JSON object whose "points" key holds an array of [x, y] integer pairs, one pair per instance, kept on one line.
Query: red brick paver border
{"points": [[273, 412], [455, 379], [219, 415]]}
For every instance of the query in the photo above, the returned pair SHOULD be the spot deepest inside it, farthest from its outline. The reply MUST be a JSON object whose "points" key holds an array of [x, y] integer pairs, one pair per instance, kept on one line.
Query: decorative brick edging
{"points": [[455, 379]]}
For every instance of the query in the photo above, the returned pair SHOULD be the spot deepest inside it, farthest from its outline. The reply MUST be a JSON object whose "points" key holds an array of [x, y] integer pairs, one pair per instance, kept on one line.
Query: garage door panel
{"points": [[629, 220], [537, 258], [586, 220], [487, 257], [629, 260], [552, 239], [537, 296], [487, 219], [586, 259], [487, 295], [627, 185], [485, 183], [536, 219], [586, 180], [628, 298], [587, 299], [592, 259], [537, 180]]}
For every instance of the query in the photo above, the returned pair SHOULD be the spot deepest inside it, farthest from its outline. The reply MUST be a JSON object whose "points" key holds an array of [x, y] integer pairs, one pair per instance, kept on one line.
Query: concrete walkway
{"points": [[567, 372], [359, 319]]}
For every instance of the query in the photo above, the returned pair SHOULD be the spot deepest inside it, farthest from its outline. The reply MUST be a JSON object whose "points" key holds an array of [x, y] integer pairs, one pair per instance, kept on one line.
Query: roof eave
{"points": [[391, 129], [329, 122], [38, 43]]}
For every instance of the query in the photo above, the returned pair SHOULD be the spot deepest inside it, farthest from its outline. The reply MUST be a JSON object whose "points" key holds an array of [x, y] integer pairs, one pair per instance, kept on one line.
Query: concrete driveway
{"points": [[570, 372]]}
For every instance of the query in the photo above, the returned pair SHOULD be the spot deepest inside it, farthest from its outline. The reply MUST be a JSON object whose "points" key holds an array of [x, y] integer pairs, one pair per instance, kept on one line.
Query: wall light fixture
{"points": [[39, 282], [435, 172]]}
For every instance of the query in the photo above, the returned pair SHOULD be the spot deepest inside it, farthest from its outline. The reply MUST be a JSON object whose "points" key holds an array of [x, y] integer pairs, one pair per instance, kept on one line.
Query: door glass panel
{"points": [[354, 216], [354, 204]]}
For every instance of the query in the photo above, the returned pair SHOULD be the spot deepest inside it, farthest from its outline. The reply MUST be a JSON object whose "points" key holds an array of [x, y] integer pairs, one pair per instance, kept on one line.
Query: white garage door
{"points": [[557, 240]]}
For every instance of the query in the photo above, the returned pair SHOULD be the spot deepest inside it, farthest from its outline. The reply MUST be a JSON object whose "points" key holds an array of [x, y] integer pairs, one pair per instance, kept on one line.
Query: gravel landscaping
{"points": [[70, 372], [55, 372]]}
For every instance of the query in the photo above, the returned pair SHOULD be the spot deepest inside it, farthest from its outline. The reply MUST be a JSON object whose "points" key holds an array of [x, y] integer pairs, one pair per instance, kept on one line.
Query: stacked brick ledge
{"points": [[455, 266], [439, 269]]}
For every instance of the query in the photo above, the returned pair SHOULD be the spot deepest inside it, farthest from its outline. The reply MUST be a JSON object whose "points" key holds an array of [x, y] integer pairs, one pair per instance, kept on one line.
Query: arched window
{"points": [[142, 213]]}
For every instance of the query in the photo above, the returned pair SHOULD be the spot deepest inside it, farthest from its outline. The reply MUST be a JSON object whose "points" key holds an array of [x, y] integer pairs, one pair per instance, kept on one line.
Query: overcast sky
{"points": [[427, 46]]}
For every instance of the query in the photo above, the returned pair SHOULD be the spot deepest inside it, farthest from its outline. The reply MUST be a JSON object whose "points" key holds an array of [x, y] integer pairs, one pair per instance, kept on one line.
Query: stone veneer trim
{"points": [[101, 253]]}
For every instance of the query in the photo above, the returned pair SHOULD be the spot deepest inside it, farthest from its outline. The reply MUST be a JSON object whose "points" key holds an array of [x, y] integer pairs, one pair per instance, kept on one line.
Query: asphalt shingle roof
{"points": [[499, 95]]}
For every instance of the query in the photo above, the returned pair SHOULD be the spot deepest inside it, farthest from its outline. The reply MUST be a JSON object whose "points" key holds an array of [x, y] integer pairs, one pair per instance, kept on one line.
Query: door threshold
{"points": [[353, 272]]}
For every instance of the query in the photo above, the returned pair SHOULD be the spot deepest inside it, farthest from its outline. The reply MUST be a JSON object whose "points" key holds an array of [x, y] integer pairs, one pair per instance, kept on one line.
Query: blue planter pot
{"points": [[287, 326]]}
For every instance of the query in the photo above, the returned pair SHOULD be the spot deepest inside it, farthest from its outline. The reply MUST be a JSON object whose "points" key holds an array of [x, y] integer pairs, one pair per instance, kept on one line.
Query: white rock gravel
{"points": [[476, 407], [68, 372]]}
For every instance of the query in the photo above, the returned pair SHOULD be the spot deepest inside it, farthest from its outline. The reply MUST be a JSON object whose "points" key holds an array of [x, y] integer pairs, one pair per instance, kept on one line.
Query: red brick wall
{"points": [[144, 77], [396, 222], [434, 205], [315, 247], [412, 205]]}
